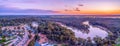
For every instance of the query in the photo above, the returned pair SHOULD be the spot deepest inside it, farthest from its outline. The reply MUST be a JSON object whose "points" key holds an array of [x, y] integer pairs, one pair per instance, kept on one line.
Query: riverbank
{"points": [[93, 32]]}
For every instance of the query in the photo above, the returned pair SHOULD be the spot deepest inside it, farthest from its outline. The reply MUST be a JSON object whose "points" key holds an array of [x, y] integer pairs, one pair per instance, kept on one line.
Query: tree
{"points": [[57, 33]]}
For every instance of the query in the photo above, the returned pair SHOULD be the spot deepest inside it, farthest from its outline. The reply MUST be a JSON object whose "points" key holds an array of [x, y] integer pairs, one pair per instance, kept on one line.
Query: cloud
{"points": [[77, 9], [80, 5], [4, 9]]}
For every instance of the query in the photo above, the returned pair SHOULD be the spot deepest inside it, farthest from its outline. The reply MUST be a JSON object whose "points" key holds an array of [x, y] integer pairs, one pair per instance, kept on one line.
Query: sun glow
{"points": [[106, 7]]}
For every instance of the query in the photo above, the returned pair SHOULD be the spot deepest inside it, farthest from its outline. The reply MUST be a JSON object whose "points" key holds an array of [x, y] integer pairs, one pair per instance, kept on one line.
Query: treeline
{"points": [[18, 21], [112, 24], [56, 33]]}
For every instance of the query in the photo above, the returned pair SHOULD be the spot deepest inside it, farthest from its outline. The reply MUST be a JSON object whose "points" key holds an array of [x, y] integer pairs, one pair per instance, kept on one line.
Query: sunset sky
{"points": [[53, 7]]}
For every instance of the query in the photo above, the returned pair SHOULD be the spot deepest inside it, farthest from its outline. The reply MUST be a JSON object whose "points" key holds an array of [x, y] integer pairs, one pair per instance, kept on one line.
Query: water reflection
{"points": [[93, 31]]}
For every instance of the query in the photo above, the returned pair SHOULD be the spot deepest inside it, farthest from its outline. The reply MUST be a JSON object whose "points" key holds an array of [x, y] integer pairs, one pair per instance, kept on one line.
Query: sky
{"points": [[58, 7]]}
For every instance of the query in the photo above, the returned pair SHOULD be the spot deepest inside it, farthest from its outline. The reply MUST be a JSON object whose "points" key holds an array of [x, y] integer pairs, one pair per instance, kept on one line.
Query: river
{"points": [[93, 31]]}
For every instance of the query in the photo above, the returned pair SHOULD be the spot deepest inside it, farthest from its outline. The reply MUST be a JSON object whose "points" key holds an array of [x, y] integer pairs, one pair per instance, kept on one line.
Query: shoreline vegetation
{"points": [[50, 33]]}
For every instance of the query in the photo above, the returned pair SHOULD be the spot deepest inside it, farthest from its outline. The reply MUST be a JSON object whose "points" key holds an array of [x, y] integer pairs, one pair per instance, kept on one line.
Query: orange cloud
{"points": [[91, 12]]}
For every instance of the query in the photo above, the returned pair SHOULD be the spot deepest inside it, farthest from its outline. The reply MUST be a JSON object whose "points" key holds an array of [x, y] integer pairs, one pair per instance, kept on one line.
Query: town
{"points": [[20, 35]]}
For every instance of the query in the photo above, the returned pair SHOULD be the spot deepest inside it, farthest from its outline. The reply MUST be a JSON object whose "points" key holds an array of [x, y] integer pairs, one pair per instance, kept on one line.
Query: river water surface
{"points": [[94, 31]]}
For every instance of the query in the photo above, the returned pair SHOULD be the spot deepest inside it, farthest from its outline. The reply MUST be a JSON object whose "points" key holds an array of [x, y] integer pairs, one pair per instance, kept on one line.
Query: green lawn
{"points": [[118, 45], [118, 41]]}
